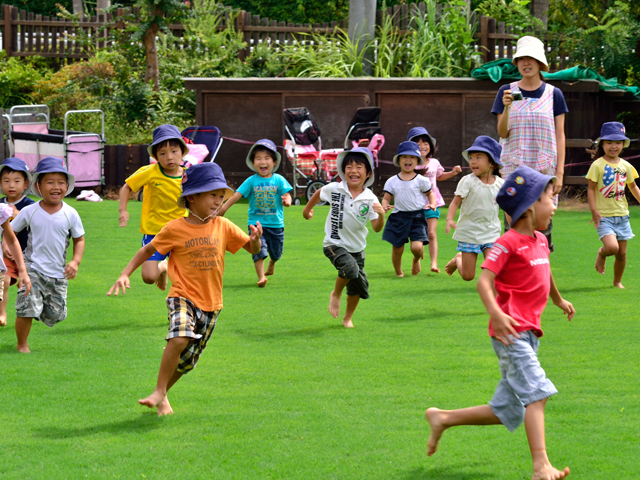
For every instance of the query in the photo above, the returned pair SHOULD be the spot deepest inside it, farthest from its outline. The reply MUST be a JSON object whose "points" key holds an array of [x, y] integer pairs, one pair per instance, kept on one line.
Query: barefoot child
{"points": [[197, 244], [608, 176], [352, 205], [407, 222], [517, 270], [52, 224], [478, 225], [433, 170], [14, 183], [268, 193], [161, 182]]}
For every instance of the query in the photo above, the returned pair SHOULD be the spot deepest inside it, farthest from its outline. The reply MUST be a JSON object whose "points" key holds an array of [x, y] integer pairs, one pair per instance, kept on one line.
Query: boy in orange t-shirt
{"points": [[197, 244]]}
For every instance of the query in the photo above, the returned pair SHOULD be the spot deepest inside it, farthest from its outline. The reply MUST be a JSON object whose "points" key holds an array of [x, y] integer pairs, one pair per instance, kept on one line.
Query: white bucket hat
{"points": [[531, 47]]}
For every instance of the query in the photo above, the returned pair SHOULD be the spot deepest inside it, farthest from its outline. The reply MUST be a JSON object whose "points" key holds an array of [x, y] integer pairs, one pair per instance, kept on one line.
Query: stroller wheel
{"points": [[313, 187], [296, 201]]}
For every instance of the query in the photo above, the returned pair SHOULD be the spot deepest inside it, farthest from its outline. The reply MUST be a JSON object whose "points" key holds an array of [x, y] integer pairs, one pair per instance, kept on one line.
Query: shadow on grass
{"points": [[583, 289], [303, 332], [142, 424], [426, 315], [106, 328], [448, 473]]}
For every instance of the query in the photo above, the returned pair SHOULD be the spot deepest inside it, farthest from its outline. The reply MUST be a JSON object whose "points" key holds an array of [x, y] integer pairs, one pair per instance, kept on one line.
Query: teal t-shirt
{"points": [[265, 199]]}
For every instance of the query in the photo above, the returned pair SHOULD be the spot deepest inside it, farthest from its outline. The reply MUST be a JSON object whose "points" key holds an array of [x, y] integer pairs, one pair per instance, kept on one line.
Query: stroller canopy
{"points": [[365, 123], [301, 125]]}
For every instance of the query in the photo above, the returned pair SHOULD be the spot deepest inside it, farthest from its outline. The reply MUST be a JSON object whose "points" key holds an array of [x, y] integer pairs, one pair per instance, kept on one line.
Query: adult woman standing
{"points": [[531, 118]]}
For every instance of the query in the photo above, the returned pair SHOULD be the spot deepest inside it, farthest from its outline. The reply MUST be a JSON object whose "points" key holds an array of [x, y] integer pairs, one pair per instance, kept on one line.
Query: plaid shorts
{"points": [[47, 301], [187, 320], [473, 247]]}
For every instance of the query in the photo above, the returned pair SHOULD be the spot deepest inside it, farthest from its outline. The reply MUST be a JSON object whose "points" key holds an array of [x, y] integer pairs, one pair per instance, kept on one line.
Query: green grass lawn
{"points": [[283, 391]]}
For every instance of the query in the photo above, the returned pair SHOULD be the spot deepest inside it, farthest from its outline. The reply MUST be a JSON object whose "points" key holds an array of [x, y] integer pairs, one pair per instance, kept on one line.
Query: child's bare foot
{"points": [[3, 320], [347, 323], [271, 268], [548, 472], [334, 304], [23, 348], [262, 282], [164, 407], [600, 262], [618, 285], [435, 269], [452, 266], [433, 416], [153, 400], [400, 274], [163, 279], [415, 266]]}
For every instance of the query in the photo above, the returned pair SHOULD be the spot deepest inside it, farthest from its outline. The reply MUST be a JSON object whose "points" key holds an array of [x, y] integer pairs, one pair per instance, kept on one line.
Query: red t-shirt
{"points": [[523, 278]]}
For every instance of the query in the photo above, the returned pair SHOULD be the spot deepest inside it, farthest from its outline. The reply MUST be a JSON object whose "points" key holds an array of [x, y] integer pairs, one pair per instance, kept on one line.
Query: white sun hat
{"points": [[529, 46]]}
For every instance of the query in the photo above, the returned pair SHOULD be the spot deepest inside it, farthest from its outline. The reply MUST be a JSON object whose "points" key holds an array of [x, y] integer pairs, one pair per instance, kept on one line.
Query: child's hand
{"points": [[286, 200], [595, 218], [386, 208], [71, 270], [24, 280], [566, 307], [6, 251], [15, 210], [123, 218], [121, 284], [379, 210], [503, 327], [507, 98], [256, 232], [457, 169], [450, 224], [430, 206], [307, 215]]}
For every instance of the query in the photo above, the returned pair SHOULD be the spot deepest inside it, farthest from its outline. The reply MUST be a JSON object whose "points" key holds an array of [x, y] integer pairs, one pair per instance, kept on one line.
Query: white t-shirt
{"points": [[408, 195], [346, 224], [478, 222], [50, 236]]}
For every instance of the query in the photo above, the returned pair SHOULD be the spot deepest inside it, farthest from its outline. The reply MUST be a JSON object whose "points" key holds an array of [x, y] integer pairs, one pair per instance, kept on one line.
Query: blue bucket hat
{"points": [[613, 131], [408, 148], [17, 165], [269, 145], [51, 165], [164, 133], [203, 177], [522, 189], [487, 145], [418, 132], [362, 151]]}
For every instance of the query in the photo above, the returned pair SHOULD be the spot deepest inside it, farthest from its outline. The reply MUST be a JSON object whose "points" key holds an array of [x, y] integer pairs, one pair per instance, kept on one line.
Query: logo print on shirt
{"points": [[614, 180], [337, 214]]}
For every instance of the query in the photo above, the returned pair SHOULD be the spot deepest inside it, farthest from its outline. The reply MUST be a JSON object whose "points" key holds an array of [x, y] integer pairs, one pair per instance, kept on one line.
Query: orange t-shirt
{"points": [[196, 263]]}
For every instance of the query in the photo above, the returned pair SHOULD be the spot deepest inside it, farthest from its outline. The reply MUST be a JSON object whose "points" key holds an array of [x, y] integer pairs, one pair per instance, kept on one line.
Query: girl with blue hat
{"points": [[608, 176]]}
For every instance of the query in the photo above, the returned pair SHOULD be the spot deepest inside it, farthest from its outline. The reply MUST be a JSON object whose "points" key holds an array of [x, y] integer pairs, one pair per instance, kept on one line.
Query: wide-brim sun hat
{"points": [[418, 132], [487, 145], [164, 133], [408, 148], [521, 190], [201, 178], [362, 151], [529, 46], [614, 131], [17, 165], [269, 145], [51, 165]]}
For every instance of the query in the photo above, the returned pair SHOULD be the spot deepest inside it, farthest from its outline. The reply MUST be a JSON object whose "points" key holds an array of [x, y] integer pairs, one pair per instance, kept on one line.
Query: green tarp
{"points": [[504, 69]]}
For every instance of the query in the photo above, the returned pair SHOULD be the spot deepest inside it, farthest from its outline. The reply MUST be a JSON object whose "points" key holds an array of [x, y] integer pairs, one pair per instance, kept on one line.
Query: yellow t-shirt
{"points": [[159, 197], [196, 263], [611, 180]]}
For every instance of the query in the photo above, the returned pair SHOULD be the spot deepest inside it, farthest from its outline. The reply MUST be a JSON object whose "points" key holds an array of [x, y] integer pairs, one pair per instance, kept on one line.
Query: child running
{"points": [[197, 245], [161, 182], [268, 193], [515, 285], [478, 225], [14, 183], [352, 205], [433, 170], [52, 224], [407, 222], [608, 176]]}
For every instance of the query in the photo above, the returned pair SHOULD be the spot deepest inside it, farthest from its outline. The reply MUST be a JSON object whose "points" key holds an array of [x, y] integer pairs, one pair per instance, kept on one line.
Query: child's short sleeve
{"points": [[140, 178], [163, 241], [21, 221], [464, 186], [283, 185], [236, 238], [246, 188], [594, 172], [425, 184], [439, 168], [325, 192], [632, 174], [388, 186], [77, 229], [498, 256]]}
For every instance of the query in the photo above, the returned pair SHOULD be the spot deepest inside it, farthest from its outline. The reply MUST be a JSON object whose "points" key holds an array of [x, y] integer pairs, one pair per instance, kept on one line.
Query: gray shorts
{"points": [[350, 266], [47, 301], [523, 379]]}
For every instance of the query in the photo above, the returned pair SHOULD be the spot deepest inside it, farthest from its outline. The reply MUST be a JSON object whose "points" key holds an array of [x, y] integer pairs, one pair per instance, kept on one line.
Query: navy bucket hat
{"points": [[16, 165], [487, 145], [51, 165], [418, 132], [408, 148], [269, 145], [614, 131], [522, 189], [164, 133], [203, 177], [362, 151]]}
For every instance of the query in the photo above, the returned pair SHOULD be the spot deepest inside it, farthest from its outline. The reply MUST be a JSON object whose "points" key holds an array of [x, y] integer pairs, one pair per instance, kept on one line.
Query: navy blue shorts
{"points": [[404, 226], [157, 256], [272, 244]]}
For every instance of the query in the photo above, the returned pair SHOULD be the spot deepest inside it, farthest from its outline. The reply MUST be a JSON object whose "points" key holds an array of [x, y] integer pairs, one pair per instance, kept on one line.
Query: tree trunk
{"points": [[540, 9], [102, 4], [151, 53], [362, 27], [77, 7]]}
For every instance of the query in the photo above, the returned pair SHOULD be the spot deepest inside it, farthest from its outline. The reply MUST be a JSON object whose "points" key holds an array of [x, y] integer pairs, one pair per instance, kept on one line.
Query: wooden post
{"points": [[240, 30], [484, 38], [491, 42], [2, 157], [7, 41]]}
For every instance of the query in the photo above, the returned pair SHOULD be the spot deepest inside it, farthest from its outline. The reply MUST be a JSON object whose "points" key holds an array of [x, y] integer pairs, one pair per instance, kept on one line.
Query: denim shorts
{"points": [[157, 256], [272, 243], [473, 247], [618, 226], [523, 380], [428, 213]]}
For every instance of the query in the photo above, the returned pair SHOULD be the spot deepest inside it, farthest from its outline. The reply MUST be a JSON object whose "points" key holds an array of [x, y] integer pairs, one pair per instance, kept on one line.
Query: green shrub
{"points": [[19, 78]]}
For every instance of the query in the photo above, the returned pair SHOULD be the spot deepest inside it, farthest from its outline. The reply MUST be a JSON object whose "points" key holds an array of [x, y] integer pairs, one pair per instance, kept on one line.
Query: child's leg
{"points": [[23, 327], [154, 271], [168, 365], [271, 268], [619, 264], [5, 299], [440, 420], [432, 226], [259, 266], [396, 259], [610, 247], [336, 296], [352, 304], [417, 248], [466, 264], [534, 425], [164, 407]]}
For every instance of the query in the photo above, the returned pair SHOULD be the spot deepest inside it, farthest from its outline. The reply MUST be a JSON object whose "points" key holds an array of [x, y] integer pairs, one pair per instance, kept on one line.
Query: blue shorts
{"points": [[271, 245], [473, 247], [404, 226], [523, 380], [428, 213], [618, 226], [156, 257]]}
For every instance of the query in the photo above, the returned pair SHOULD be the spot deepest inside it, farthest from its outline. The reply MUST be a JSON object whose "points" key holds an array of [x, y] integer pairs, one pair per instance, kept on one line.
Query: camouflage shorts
{"points": [[47, 301], [187, 320]]}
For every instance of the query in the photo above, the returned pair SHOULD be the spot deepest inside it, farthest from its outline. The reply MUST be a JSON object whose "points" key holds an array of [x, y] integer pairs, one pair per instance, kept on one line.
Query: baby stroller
{"points": [[203, 142]]}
